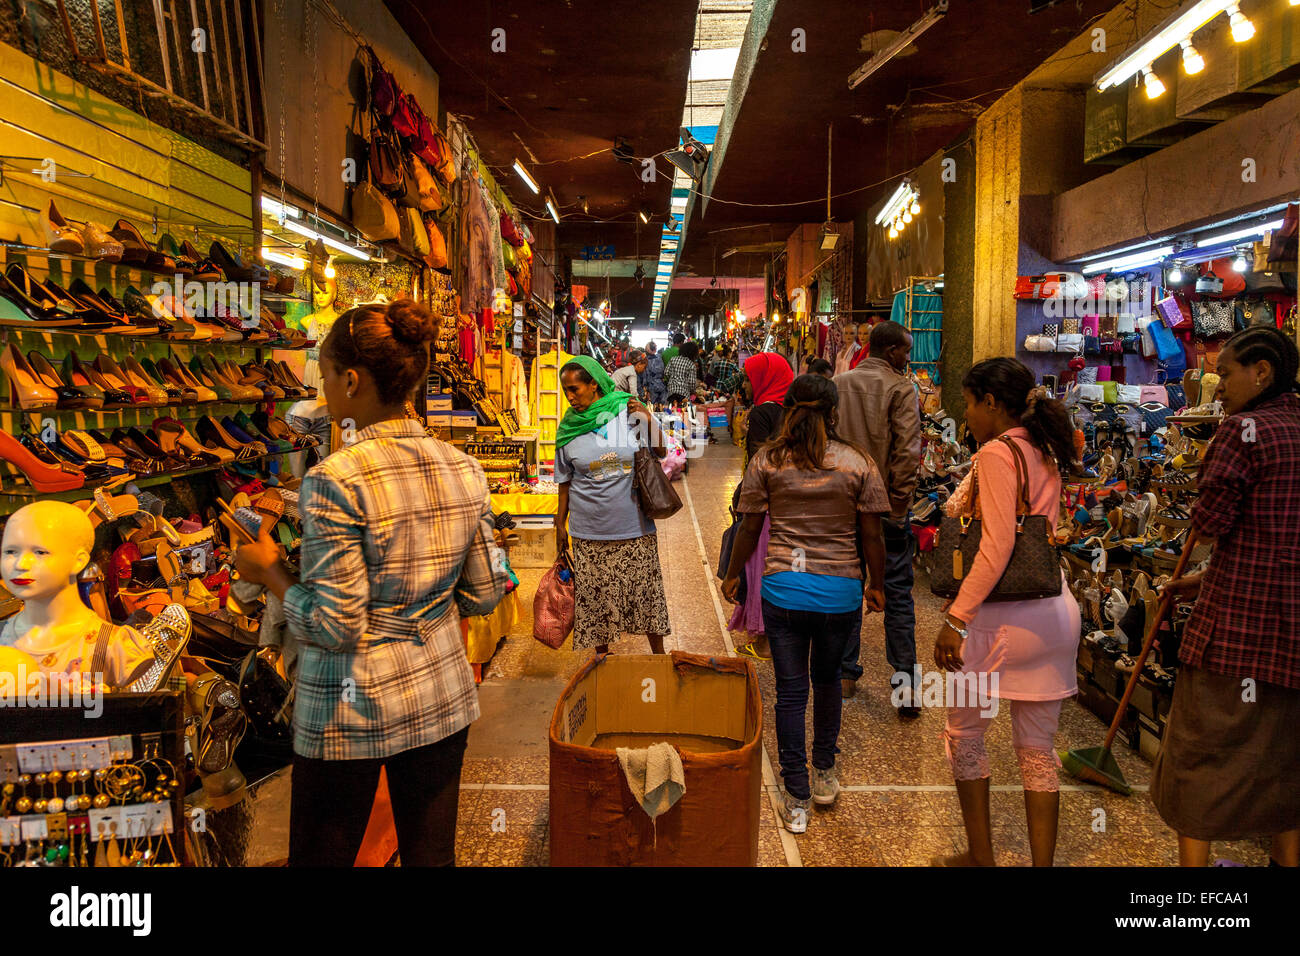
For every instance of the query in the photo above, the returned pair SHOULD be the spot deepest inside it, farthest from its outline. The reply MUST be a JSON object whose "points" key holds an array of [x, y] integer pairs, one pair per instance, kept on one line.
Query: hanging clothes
{"points": [[925, 323], [479, 235], [499, 279], [516, 387]]}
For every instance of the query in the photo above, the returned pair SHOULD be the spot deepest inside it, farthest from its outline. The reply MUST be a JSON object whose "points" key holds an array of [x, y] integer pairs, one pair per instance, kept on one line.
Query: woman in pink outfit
{"points": [[1021, 651]]}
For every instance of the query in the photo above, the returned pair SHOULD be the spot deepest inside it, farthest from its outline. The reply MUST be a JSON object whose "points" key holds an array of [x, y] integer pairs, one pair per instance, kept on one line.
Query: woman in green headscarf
{"points": [[618, 585]]}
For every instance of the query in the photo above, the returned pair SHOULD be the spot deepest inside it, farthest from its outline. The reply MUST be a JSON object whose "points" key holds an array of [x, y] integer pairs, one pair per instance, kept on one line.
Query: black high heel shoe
{"points": [[235, 268], [20, 308]]}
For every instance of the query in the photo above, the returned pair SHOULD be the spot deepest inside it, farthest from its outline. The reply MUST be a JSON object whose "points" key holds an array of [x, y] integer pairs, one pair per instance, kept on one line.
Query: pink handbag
{"points": [[1090, 324], [1103, 373], [1155, 393], [553, 605]]}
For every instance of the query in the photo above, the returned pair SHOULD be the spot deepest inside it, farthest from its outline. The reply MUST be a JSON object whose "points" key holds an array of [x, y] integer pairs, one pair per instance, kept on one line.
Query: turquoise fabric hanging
{"points": [[925, 323]]}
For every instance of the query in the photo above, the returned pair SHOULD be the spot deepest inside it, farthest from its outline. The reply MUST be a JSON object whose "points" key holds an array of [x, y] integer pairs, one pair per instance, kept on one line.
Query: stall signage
{"points": [[597, 252]]}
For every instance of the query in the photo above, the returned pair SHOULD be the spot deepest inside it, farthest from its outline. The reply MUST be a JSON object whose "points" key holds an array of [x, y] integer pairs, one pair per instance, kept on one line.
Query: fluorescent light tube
{"points": [[1238, 234], [293, 262], [528, 180], [901, 43], [1135, 261], [550, 207], [274, 208], [1177, 27], [886, 213], [332, 243]]}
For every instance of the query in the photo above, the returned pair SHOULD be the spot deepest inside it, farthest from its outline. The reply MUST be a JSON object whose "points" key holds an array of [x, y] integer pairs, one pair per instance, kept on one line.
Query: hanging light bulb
{"points": [[893, 232], [907, 215], [1193, 62], [916, 207], [1242, 28], [1153, 85], [1239, 263], [1176, 274]]}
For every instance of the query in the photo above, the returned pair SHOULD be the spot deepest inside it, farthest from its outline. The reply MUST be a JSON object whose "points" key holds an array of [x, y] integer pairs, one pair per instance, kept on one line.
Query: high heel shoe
{"points": [[135, 251], [93, 384], [70, 396], [25, 390], [236, 269], [158, 394], [174, 439], [180, 376], [44, 478], [109, 371], [19, 308], [61, 235], [176, 393], [182, 263]]}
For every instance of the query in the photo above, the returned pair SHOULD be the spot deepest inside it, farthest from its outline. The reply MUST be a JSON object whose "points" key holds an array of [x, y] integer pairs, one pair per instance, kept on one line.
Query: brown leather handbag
{"points": [[1034, 570], [654, 491]]}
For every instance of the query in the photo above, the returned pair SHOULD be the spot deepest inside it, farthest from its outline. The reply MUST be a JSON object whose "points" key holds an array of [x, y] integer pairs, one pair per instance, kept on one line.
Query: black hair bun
{"points": [[411, 322]]}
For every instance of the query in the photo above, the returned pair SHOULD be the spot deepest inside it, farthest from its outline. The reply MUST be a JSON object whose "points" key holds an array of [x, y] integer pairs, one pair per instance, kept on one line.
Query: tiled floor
{"points": [[898, 808]]}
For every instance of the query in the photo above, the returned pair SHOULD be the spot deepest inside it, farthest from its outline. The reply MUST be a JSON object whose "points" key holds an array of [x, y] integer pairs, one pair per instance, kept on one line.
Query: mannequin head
{"points": [[322, 297], [46, 545]]}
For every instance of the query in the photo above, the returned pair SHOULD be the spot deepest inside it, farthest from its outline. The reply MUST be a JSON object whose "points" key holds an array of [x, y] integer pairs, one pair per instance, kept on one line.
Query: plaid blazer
{"points": [[1246, 622], [397, 537]]}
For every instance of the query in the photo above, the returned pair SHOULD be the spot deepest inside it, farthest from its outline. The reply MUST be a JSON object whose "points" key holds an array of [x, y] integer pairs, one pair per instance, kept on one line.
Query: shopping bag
{"points": [[553, 605]]}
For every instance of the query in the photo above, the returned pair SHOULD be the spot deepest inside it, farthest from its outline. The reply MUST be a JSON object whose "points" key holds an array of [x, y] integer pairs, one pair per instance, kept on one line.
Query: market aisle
{"points": [[899, 806]]}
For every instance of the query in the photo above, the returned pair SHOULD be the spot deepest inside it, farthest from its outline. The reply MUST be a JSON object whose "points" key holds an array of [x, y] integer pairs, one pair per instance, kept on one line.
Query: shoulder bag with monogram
{"points": [[1034, 570]]}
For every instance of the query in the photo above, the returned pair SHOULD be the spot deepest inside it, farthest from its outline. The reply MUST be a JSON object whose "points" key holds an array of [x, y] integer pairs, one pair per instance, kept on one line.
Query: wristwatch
{"points": [[960, 630]]}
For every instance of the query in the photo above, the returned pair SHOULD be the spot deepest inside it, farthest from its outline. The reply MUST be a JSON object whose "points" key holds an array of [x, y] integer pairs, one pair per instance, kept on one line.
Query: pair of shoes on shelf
{"points": [[80, 239]]}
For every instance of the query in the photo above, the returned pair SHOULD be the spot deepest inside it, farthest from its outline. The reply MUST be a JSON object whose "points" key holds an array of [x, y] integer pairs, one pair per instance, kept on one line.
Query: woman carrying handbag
{"points": [[1022, 651], [618, 584]]}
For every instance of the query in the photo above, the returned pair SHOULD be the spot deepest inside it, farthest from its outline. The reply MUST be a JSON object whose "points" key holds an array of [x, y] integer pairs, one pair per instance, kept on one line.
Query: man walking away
{"points": [[878, 411], [655, 387]]}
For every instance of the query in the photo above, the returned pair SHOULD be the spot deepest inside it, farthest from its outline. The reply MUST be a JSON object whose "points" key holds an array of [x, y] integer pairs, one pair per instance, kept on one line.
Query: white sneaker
{"points": [[793, 812], [825, 786]]}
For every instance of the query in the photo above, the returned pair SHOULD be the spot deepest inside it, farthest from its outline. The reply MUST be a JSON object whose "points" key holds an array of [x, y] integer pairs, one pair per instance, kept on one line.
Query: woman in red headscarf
{"points": [[766, 378]]}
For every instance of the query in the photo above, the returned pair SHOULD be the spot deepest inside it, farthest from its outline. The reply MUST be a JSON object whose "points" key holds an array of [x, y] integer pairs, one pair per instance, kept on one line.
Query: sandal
{"points": [[748, 651]]}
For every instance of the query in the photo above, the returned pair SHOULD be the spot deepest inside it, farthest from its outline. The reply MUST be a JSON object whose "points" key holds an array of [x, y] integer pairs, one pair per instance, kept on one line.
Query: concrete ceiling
{"points": [[578, 73]]}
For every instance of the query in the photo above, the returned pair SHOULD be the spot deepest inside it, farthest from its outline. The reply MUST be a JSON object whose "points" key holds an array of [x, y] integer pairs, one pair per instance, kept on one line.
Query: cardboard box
{"points": [[1147, 739], [709, 709], [439, 420], [536, 548], [463, 424], [1143, 700], [440, 402]]}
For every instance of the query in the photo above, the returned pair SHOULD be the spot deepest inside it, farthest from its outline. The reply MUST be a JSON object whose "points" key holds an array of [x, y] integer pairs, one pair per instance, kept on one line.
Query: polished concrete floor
{"points": [[898, 806]]}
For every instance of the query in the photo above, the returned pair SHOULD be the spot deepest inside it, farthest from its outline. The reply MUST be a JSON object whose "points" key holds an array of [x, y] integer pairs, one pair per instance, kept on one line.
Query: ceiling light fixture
{"points": [[1152, 83], [1176, 274], [1238, 234], [644, 214], [528, 180], [1178, 26], [278, 210], [1239, 263], [1242, 28], [901, 43], [293, 262], [1135, 261], [1193, 62], [332, 243], [550, 207]]}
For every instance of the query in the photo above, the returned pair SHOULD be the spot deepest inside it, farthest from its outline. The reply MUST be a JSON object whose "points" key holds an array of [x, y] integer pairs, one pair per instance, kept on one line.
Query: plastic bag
{"points": [[553, 605]]}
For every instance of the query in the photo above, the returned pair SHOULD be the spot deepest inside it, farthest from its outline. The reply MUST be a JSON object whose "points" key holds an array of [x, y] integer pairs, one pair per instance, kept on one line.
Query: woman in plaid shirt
{"points": [[396, 547], [1229, 763]]}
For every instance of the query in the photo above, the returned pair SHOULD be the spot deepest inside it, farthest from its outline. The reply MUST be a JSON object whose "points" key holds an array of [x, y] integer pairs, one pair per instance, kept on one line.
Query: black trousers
{"points": [[330, 805]]}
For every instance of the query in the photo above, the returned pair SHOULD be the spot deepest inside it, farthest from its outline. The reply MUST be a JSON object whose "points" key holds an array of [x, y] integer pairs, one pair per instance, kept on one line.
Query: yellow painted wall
{"points": [[997, 226]]}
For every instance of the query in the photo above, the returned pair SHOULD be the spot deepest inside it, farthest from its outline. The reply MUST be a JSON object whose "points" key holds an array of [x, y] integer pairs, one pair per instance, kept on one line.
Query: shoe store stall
{"points": [[1142, 276]]}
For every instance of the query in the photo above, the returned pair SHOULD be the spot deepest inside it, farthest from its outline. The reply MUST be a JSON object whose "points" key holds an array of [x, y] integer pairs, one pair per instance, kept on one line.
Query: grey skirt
{"points": [[1229, 769], [618, 589]]}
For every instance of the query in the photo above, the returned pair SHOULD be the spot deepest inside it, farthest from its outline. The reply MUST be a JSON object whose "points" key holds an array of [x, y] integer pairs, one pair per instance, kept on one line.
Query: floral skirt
{"points": [[618, 589]]}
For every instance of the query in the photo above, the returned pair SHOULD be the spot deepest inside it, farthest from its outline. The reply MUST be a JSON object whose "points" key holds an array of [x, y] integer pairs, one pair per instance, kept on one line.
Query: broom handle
{"points": [[1166, 602]]}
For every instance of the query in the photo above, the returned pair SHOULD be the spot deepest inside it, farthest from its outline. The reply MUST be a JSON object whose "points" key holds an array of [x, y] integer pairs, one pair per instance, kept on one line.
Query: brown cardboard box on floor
{"points": [[709, 709]]}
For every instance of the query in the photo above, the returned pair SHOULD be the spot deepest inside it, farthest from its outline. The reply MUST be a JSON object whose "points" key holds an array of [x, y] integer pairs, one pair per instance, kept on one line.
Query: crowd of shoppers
{"points": [[398, 546]]}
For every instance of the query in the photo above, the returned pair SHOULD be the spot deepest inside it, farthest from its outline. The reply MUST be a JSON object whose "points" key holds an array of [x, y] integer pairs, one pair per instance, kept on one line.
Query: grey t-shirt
{"points": [[602, 493]]}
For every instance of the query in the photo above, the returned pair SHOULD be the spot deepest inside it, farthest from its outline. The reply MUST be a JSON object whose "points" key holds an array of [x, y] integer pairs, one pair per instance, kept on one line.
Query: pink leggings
{"points": [[1033, 722]]}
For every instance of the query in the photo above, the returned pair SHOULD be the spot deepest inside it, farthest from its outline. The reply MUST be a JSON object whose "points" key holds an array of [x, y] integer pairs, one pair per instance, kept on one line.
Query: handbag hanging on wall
{"points": [[373, 213], [1212, 319], [1034, 570]]}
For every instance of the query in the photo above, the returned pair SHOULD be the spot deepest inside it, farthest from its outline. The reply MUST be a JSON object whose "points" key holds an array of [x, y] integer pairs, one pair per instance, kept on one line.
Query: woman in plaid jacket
{"points": [[397, 546], [1229, 762]]}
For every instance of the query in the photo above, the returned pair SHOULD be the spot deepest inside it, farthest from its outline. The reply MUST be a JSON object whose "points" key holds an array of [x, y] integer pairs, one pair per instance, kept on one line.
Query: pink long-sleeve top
{"points": [[996, 510]]}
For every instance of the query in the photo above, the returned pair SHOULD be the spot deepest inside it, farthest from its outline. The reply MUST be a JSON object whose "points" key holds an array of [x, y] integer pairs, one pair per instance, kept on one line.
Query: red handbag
{"points": [[405, 115], [509, 233], [384, 91], [553, 605]]}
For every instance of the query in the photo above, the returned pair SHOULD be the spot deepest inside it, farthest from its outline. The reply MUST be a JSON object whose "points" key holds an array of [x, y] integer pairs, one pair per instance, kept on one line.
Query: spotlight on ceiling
{"points": [[692, 158], [644, 213]]}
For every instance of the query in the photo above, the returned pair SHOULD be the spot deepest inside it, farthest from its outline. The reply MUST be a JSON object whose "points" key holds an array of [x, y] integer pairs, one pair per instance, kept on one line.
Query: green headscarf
{"points": [[606, 407]]}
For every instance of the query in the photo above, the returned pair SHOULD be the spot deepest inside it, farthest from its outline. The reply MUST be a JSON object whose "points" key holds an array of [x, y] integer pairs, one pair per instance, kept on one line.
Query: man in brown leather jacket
{"points": [[878, 410]]}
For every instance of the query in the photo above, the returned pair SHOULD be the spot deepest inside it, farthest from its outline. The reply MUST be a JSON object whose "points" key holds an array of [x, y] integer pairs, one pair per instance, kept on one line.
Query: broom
{"points": [[1097, 764]]}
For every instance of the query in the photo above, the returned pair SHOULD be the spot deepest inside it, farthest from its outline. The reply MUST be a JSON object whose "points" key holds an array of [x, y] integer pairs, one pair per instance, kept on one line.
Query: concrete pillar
{"points": [[958, 274]]}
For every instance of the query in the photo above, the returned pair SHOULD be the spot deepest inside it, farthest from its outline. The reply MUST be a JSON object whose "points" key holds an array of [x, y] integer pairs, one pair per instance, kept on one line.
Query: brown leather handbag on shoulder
{"points": [[1034, 570]]}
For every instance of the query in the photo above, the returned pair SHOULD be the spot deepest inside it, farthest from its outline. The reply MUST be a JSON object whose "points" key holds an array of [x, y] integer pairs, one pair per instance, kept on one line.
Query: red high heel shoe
{"points": [[44, 478]]}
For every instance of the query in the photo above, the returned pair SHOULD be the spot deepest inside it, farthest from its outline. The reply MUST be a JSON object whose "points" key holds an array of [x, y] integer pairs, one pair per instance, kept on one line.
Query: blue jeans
{"points": [[806, 644], [900, 613]]}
